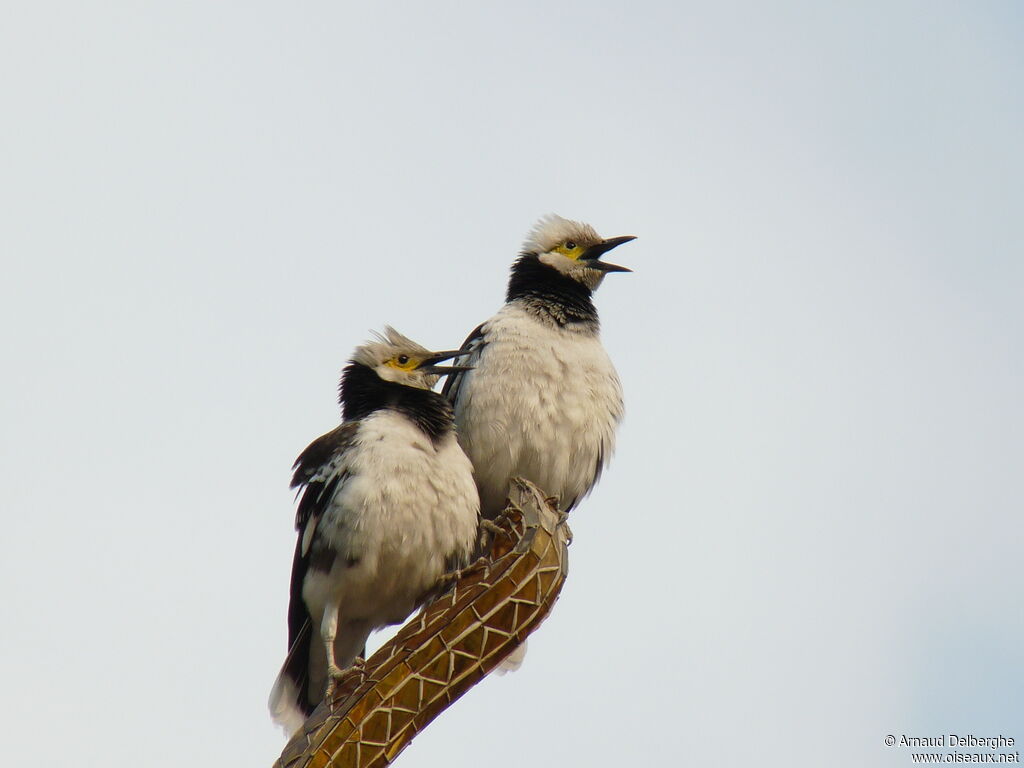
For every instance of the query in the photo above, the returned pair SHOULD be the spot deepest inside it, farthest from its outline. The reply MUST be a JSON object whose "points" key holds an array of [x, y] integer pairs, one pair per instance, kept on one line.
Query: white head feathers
{"points": [[553, 230]]}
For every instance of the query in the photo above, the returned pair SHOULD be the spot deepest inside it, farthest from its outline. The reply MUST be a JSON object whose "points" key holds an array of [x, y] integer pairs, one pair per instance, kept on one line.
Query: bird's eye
{"points": [[403, 359], [570, 245]]}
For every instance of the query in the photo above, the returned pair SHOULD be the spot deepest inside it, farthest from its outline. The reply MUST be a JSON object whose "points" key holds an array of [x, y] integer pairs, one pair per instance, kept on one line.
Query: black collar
{"points": [[363, 392], [546, 291]]}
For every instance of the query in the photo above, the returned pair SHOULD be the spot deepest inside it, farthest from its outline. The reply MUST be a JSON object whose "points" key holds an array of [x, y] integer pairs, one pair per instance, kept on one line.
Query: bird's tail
{"points": [[289, 697]]}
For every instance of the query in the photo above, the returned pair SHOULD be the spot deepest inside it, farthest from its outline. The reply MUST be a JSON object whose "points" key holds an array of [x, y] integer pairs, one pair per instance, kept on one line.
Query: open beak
{"points": [[593, 254], [428, 365]]}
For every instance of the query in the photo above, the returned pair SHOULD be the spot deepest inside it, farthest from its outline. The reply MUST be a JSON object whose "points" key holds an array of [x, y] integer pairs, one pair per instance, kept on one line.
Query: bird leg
{"points": [[328, 631]]}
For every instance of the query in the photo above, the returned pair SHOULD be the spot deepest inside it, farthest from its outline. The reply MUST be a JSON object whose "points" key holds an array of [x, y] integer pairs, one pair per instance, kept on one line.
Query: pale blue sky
{"points": [[810, 535]]}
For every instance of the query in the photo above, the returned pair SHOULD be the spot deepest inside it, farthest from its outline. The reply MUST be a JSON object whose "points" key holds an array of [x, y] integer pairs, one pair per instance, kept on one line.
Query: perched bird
{"points": [[542, 399], [387, 507]]}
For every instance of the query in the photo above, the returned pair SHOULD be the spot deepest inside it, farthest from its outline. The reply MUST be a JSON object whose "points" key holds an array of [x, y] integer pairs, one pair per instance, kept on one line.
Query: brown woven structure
{"points": [[446, 648]]}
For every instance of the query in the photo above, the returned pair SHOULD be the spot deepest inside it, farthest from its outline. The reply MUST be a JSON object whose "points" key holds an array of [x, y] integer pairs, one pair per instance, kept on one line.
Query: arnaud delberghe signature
{"points": [[953, 740]]}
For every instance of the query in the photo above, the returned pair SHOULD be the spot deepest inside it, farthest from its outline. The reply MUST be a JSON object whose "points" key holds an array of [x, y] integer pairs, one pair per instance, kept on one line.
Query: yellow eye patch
{"points": [[403, 362], [569, 248]]}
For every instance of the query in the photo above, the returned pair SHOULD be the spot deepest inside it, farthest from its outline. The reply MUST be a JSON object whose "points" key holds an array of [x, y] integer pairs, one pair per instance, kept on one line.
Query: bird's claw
{"points": [[491, 527], [334, 676], [338, 677], [488, 531], [480, 565]]}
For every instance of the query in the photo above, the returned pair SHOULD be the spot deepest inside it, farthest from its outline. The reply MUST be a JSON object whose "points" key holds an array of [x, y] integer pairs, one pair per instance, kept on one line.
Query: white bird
{"points": [[542, 399], [387, 507]]}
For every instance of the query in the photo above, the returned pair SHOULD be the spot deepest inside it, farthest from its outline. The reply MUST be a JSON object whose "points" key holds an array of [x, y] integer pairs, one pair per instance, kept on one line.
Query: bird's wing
{"points": [[317, 473], [472, 347]]}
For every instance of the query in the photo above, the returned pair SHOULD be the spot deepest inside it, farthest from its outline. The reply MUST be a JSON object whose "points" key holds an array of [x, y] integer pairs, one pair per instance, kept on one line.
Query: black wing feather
{"points": [[472, 346], [313, 476]]}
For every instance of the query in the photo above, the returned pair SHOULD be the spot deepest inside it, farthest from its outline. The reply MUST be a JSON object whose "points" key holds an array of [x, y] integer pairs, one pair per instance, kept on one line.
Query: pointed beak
{"points": [[593, 254], [428, 365]]}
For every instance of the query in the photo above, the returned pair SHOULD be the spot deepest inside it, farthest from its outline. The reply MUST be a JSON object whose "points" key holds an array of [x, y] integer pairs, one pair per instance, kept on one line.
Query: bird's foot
{"points": [[338, 678], [490, 526], [488, 530], [334, 676], [480, 565]]}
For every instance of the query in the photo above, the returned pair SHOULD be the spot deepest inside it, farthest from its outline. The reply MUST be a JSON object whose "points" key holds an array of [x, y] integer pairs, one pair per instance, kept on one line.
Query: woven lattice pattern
{"points": [[445, 649]]}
